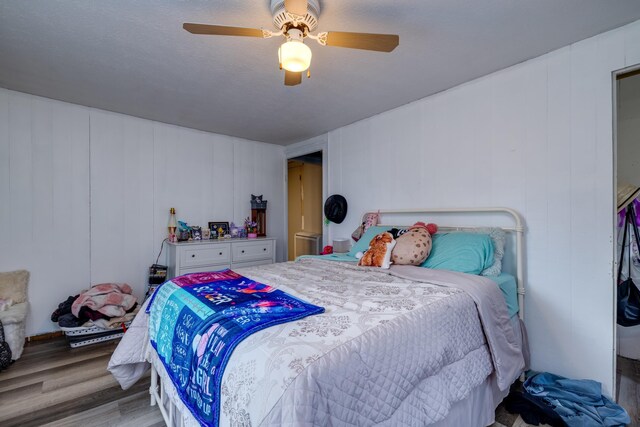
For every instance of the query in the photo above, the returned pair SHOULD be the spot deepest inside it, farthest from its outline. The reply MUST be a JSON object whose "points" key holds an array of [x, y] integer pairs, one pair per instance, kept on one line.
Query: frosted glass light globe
{"points": [[295, 56]]}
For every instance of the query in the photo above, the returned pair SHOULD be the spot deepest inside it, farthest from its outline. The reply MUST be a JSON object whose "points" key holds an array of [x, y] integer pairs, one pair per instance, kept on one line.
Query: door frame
{"points": [[631, 70], [313, 145]]}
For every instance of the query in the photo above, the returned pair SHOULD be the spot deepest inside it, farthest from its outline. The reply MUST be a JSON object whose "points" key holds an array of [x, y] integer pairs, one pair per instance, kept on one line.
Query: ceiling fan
{"points": [[294, 20]]}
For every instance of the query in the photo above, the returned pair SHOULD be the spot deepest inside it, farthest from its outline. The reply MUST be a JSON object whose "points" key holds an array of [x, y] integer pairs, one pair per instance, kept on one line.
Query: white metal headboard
{"points": [[517, 228]]}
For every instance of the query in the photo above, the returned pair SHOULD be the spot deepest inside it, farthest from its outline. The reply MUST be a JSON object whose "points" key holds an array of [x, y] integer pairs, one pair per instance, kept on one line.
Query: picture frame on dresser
{"points": [[215, 225]]}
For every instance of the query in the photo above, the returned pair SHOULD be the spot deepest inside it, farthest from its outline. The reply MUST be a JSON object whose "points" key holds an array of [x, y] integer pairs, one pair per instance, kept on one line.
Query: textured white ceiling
{"points": [[133, 57]]}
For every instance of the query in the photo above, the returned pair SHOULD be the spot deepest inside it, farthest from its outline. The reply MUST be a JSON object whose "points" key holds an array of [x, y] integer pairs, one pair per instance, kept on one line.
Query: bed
{"points": [[405, 346]]}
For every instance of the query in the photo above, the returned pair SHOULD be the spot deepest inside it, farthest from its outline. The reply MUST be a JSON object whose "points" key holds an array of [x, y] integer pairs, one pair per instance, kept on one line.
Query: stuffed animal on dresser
{"points": [[414, 246], [379, 252]]}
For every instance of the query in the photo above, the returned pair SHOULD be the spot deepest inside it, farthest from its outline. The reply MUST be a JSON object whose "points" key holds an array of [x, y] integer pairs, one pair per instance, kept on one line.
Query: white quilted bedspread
{"points": [[386, 351]]}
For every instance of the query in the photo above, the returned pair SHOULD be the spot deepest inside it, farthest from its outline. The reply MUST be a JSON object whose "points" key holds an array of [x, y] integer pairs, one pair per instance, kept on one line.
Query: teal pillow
{"points": [[464, 252], [363, 244]]}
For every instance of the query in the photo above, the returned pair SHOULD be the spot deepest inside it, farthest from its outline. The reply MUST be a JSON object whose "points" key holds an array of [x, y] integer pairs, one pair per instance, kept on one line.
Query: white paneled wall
{"points": [[44, 194], [86, 193], [122, 197], [536, 137]]}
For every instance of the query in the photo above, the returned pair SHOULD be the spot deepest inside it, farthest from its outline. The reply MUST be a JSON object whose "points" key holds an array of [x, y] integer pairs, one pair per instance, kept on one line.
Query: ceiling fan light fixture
{"points": [[295, 56]]}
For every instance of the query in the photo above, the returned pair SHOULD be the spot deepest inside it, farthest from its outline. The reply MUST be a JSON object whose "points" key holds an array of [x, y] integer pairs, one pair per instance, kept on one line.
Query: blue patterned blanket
{"points": [[196, 321]]}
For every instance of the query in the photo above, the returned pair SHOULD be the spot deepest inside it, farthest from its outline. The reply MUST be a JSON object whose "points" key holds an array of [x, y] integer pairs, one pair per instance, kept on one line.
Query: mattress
{"points": [[388, 350], [476, 409]]}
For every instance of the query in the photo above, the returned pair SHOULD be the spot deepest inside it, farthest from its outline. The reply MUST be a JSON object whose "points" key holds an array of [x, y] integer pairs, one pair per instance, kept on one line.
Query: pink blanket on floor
{"points": [[110, 299]]}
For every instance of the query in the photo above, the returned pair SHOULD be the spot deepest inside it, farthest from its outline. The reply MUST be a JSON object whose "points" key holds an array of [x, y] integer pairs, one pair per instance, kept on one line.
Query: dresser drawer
{"points": [[207, 255], [250, 251]]}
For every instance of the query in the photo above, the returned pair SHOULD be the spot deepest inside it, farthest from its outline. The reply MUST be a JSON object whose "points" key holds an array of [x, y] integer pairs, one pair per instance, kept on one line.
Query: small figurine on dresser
{"points": [[251, 227], [259, 214], [184, 231], [196, 233]]}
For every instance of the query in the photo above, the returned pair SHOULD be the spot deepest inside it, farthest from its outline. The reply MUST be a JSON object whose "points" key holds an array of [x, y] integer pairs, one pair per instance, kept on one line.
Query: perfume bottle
{"points": [[172, 225]]}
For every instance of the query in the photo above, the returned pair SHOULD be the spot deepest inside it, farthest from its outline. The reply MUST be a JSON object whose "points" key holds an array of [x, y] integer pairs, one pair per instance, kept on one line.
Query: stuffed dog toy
{"points": [[379, 252]]}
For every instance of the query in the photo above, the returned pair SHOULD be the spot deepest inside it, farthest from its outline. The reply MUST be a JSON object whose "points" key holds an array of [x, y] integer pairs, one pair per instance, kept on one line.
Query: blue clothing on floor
{"points": [[580, 403]]}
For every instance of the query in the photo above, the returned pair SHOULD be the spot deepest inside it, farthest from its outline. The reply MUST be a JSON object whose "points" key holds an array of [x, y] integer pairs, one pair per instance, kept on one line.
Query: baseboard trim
{"points": [[45, 337]]}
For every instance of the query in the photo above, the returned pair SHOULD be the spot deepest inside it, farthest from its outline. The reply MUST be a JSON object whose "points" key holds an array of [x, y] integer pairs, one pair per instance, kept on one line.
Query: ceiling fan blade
{"points": [[297, 7], [220, 30], [291, 78], [366, 41]]}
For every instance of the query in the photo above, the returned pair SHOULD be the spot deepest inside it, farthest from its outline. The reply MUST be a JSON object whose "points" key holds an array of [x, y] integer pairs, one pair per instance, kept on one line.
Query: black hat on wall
{"points": [[335, 208]]}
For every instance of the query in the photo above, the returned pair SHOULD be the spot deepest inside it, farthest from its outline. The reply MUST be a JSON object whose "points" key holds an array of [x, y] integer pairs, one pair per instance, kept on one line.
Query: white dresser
{"points": [[211, 255]]}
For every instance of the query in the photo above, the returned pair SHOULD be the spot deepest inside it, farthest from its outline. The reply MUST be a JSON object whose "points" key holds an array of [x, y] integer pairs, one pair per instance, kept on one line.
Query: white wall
{"points": [[536, 137], [85, 194]]}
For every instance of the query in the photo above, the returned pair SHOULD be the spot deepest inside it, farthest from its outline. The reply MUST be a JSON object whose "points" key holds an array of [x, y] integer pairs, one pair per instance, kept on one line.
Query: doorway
{"points": [[628, 128], [304, 193], [627, 178]]}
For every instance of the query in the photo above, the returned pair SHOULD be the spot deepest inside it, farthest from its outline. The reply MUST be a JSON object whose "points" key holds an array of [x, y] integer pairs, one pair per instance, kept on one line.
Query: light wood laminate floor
{"points": [[54, 385], [628, 388]]}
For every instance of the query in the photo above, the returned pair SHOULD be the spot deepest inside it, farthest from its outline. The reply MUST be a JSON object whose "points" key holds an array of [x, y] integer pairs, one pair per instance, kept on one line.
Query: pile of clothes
{"points": [[107, 305], [557, 401]]}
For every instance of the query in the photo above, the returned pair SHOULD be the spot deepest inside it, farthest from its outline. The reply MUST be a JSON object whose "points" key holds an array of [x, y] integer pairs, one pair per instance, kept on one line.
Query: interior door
{"points": [[312, 197], [295, 204]]}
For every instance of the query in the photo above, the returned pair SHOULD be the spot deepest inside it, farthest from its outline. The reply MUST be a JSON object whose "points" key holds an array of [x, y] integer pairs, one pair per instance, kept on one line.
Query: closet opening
{"points": [[627, 223], [304, 205]]}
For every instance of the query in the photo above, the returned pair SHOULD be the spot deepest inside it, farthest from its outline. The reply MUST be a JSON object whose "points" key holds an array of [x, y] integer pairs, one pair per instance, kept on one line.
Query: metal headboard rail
{"points": [[517, 228]]}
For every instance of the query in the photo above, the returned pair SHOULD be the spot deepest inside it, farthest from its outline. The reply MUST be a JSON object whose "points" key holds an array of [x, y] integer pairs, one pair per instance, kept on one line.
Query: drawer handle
{"points": [[193, 255], [243, 251], [264, 249], [220, 253]]}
